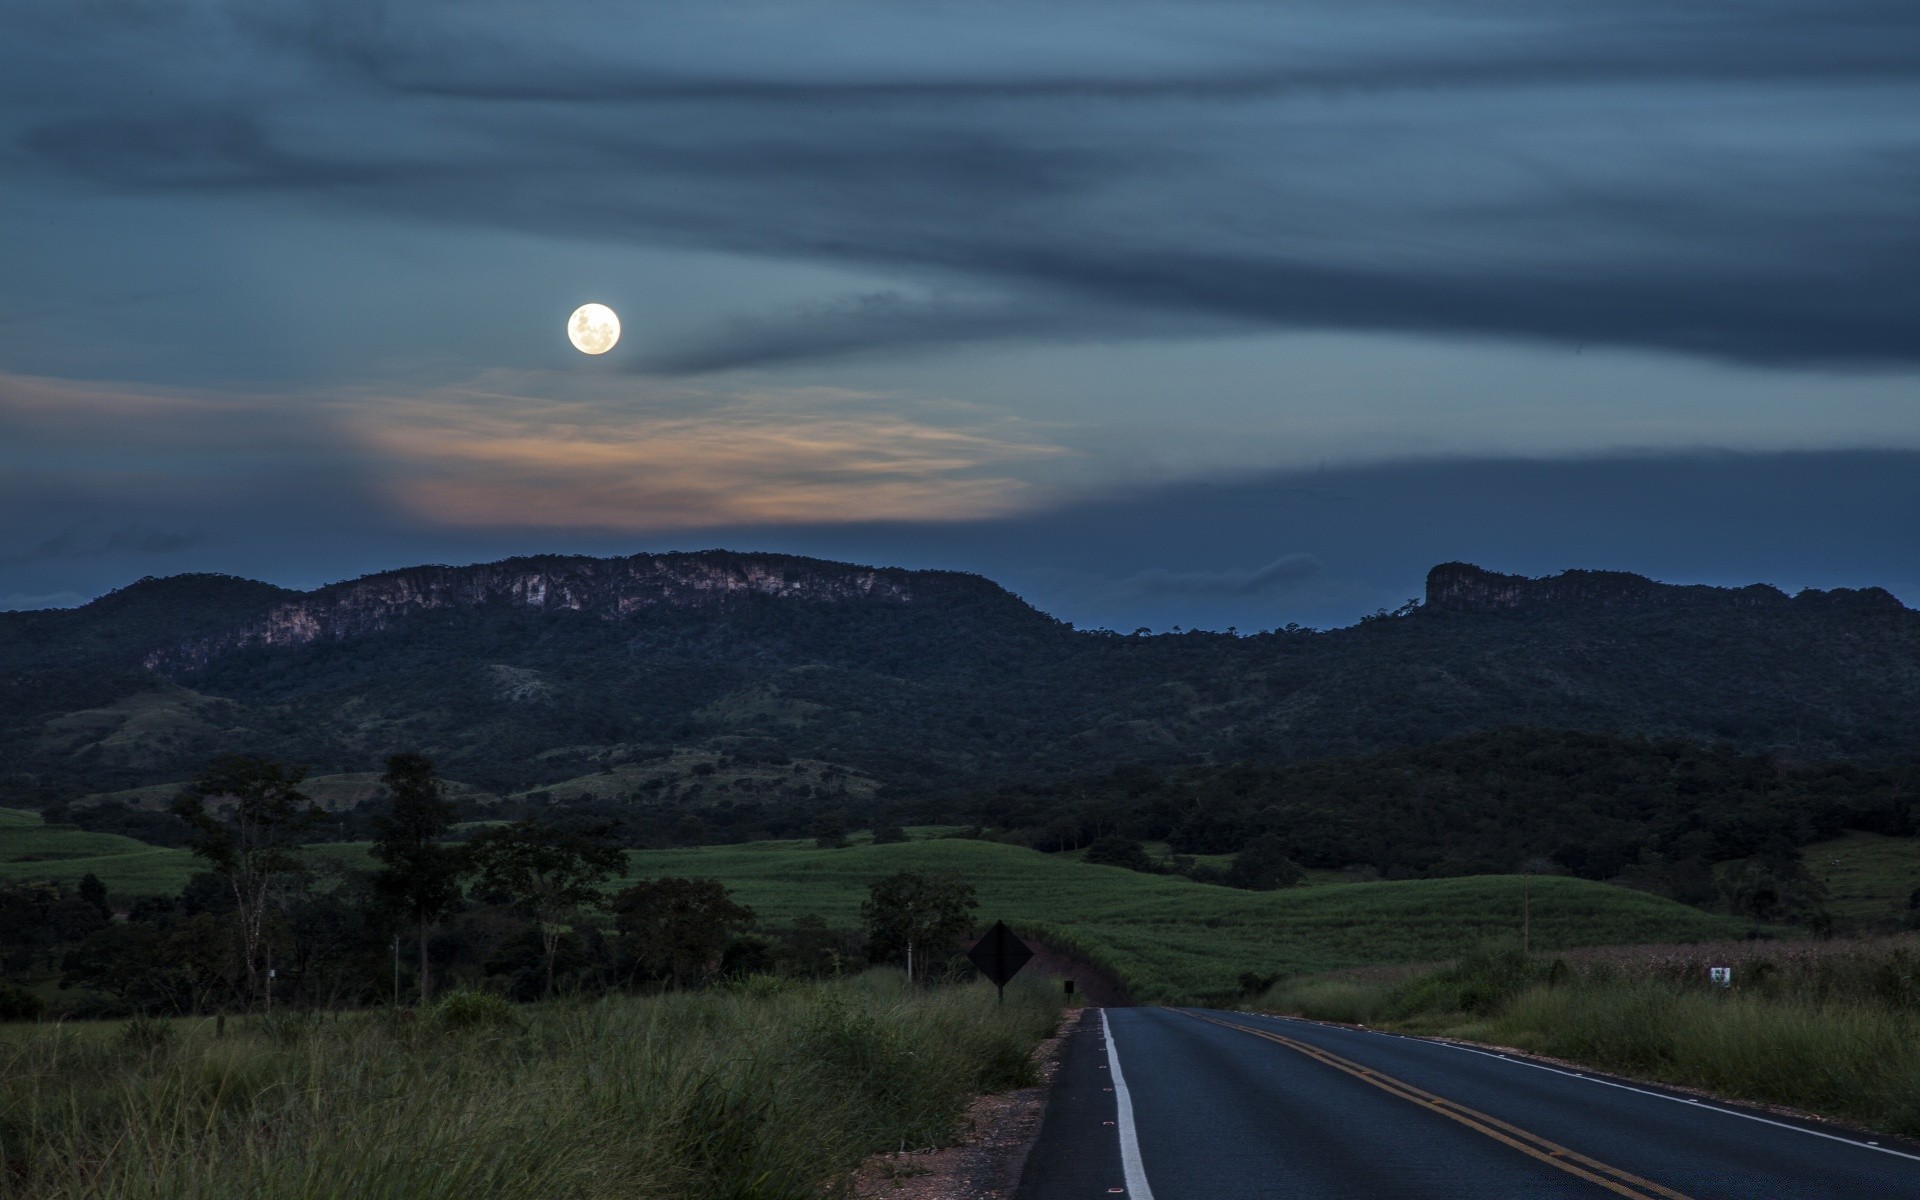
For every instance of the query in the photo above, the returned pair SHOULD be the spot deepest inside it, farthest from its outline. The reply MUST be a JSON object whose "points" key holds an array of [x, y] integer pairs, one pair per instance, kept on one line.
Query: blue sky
{"points": [[1203, 314]]}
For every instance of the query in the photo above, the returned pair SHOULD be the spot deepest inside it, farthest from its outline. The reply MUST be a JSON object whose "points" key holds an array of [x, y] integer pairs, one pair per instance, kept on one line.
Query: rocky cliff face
{"points": [[1463, 587], [609, 588]]}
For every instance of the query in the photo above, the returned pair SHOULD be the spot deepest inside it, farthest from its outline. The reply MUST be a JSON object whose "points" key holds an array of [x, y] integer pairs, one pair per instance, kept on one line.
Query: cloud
{"points": [[1682, 176], [522, 450], [697, 460], [1281, 574], [77, 542]]}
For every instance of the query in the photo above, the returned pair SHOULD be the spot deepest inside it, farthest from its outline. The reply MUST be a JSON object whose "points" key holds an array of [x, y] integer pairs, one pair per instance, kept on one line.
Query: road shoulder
{"points": [[1000, 1130]]}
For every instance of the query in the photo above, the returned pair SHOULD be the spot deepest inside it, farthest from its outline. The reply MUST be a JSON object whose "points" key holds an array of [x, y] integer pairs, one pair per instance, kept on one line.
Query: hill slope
{"points": [[1168, 938], [530, 671]]}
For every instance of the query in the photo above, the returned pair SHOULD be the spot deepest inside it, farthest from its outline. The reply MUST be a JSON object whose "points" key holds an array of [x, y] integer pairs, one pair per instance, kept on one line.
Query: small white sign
{"points": [[1723, 976]]}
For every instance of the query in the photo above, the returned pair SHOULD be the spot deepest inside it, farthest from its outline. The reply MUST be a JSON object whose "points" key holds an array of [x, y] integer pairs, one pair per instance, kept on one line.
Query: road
{"points": [[1197, 1104]]}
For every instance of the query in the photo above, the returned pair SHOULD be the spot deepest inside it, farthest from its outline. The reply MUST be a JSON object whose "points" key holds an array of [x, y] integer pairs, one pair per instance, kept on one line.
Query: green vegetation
{"points": [[1829, 1027], [1870, 878], [1657, 814], [32, 850], [1169, 938], [774, 1091], [929, 692], [1166, 937]]}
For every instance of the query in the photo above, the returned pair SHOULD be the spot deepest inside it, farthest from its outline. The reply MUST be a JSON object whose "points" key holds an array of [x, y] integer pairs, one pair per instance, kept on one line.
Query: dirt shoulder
{"points": [[1000, 1128]]}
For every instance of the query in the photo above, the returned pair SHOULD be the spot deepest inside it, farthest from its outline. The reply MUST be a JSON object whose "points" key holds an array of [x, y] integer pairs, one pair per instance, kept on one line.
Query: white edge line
{"points": [[1731, 1112], [1131, 1166], [1625, 1087]]}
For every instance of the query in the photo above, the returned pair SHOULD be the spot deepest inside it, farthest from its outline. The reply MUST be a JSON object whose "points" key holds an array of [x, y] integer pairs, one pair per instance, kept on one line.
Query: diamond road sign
{"points": [[1000, 955]]}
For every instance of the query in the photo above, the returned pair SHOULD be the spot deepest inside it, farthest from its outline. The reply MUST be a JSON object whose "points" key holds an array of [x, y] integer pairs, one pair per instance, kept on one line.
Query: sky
{"points": [[1184, 314]]}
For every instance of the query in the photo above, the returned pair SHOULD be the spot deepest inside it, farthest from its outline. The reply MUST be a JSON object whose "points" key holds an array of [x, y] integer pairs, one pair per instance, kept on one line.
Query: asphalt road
{"points": [[1196, 1104]]}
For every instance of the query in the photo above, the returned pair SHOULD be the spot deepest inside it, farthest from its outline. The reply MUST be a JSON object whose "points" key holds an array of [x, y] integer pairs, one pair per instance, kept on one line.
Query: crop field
{"points": [[29, 850], [1170, 938], [1869, 876], [1167, 937]]}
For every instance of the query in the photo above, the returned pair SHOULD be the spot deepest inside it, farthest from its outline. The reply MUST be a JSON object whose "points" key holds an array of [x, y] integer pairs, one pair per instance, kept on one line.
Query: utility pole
{"points": [[1526, 914], [909, 961], [396, 970]]}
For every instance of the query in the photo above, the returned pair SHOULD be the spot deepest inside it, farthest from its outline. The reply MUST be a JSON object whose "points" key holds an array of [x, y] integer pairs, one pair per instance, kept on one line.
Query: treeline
{"points": [[1656, 813], [524, 909]]}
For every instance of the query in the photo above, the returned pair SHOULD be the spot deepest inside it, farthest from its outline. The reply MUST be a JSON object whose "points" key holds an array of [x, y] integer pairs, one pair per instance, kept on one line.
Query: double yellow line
{"points": [[1532, 1144]]}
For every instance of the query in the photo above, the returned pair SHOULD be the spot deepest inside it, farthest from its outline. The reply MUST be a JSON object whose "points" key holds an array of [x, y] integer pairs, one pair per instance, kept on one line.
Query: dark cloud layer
{"points": [[77, 541], [1282, 573], [1729, 181]]}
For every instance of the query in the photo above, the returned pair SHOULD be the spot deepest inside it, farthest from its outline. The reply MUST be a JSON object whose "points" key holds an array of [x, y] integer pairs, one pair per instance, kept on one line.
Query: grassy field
{"points": [[1170, 938], [1869, 876], [29, 850], [774, 1092], [1167, 937]]}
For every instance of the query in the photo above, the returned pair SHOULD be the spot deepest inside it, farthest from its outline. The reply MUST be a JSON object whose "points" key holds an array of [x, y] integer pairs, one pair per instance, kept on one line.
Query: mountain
{"points": [[530, 671]]}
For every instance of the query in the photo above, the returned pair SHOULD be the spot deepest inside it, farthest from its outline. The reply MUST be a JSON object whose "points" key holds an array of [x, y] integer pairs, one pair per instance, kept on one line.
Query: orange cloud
{"points": [[552, 451], [473, 456]]}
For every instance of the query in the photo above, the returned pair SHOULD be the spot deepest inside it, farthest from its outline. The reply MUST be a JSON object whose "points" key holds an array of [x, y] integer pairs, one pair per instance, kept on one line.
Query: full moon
{"points": [[593, 329]]}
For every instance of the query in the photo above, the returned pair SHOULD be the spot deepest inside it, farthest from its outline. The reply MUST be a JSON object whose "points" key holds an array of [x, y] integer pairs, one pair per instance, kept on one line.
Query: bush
{"points": [[1264, 866], [470, 1010], [145, 1033], [19, 1004], [1114, 851]]}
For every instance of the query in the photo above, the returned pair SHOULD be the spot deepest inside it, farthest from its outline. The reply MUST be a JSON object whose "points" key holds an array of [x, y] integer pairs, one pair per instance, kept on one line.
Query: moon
{"points": [[593, 328]]}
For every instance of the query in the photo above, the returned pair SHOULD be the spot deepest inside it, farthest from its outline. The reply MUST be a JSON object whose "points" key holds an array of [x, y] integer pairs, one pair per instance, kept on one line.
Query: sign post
{"points": [[1000, 955]]}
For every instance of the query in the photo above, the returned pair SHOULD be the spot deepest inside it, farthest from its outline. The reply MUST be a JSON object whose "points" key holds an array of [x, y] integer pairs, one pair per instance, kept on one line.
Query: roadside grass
{"points": [[1832, 1028], [763, 1093]]}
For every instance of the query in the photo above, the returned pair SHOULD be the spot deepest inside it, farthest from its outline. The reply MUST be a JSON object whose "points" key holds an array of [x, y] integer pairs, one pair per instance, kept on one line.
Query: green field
{"points": [[1166, 936], [30, 850], [1170, 938], [1868, 876]]}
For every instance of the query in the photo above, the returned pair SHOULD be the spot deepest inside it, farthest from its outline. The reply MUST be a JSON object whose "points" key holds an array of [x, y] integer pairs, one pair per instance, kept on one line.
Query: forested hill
{"points": [[535, 670]]}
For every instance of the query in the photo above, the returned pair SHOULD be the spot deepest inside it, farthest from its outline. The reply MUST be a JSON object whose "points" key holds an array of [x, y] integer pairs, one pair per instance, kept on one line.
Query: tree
{"points": [[888, 832], [909, 910], [247, 815], [829, 830], [1775, 885], [552, 872], [419, 883], [1116, 851], [95, 893], [1263, 866], [682, 923]]}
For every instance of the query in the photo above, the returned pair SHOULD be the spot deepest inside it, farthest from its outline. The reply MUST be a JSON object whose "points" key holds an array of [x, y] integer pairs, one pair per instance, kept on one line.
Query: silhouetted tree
{"points": [[419, 881], [553, 872], [681, 923], [247, 815], [909, 911], [1263, 866], [1116, 851]]}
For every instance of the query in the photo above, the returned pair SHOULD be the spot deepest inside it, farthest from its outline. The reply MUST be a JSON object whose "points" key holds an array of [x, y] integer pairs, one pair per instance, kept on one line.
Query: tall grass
{"points": [[1829, 1027], [766, 1093]]}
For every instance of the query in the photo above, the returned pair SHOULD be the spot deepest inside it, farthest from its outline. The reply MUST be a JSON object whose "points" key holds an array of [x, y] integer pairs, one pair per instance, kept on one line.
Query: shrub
{"points": [[469, 1010], [19, 1004]]}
